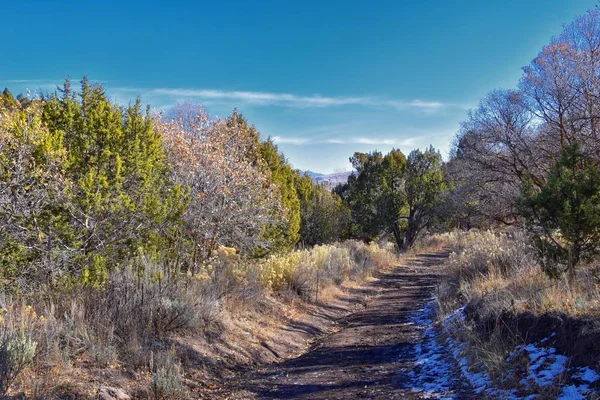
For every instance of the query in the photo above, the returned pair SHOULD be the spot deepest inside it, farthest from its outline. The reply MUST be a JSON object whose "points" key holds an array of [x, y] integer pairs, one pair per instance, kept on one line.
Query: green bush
{"points": [[18, 346], [167, 381]]}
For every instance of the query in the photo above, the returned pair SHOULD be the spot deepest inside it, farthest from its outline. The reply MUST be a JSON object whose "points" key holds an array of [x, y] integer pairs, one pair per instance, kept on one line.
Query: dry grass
{"points": [[484, 265], [498, 274], [306, 272], [128, 323]]}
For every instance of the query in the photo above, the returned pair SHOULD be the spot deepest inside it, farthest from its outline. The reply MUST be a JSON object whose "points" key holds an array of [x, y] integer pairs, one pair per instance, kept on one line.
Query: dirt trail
{"points": [[370, 356]]}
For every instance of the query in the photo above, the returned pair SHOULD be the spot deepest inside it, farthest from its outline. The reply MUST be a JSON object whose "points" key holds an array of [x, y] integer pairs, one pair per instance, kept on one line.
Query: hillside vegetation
{"points": [[524, 169]]}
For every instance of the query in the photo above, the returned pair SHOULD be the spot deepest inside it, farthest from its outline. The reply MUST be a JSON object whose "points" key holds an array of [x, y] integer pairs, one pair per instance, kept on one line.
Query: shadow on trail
{"points": [[365, 357]]}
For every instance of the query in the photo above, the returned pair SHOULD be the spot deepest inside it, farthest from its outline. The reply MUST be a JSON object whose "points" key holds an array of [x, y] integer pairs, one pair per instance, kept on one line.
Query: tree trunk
{"points": [[409, 236], [398, 236], [573, 256]]}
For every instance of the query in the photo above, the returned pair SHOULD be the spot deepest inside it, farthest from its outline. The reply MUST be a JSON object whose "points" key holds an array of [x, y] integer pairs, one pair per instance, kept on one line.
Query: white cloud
{"points": [[426, 104], [257, 98], [352, 140], [374, 141], [292, 100], [363, 140], [23, 80], [262, 98], [289, 140]]}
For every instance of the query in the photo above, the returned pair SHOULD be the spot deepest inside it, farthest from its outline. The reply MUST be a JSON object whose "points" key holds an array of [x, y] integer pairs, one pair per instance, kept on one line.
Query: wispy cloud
{"points": [[362, 140], [289, 140], [23, 80], [297, 101], [400, 142], [426, 104], [376, 141], [265, 98], [258, 98]]}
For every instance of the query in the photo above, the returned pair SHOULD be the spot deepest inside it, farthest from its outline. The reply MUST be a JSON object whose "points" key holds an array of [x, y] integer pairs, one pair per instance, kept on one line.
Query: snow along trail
{"points": [[433, 378], [435, 374]]}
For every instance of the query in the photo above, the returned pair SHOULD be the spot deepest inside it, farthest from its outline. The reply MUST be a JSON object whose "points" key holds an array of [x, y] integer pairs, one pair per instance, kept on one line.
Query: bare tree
{"points": [[230, 197]]}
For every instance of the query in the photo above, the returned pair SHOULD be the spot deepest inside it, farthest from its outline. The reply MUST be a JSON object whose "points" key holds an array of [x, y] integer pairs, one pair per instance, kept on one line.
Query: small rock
{"points": [[111, 393]]}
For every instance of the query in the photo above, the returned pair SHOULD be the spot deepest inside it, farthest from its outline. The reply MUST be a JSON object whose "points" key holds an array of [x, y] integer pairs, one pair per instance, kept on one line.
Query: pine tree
{"points": [[564, 214], [8, 101], [122, 200], [286, 234]]}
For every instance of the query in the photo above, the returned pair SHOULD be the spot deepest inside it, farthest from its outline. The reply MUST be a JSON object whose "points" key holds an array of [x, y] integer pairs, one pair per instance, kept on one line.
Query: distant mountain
{"points": [[330, 180], [313, 175]]}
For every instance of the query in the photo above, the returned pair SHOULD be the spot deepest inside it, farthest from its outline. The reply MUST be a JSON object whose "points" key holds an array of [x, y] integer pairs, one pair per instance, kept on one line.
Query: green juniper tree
{"points": [[324, 216], [564, 213], [286, 234], [121, 200], [424, 187]]}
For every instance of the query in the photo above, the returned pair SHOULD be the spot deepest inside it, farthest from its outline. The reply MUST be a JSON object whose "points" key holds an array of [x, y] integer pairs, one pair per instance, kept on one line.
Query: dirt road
{"points": [[374, 354]]}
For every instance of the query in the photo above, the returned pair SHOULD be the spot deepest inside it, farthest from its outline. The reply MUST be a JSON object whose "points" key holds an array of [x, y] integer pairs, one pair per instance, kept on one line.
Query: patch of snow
{"points": [[544, 364], [586, 374], [438, 356], [433, 375], [574, 392]]}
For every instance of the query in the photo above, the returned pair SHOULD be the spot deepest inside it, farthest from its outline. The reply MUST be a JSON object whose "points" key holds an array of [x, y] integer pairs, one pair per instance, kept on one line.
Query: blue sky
{"points": [[324, 78]]}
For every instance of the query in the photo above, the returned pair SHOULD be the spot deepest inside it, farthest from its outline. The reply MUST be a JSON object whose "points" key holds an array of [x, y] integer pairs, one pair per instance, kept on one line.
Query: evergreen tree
{"points": [[394, 197], [286, 234], [36, 236], [7, 100], [364, 195], [324, 216], [424, 187], [122, 201], [375, 194], [564, 214]]}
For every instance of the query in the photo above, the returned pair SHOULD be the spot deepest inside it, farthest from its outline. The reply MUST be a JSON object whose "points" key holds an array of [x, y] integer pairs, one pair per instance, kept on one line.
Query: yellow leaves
{"points": [[277, 271], [20, 318], [225, 251]]}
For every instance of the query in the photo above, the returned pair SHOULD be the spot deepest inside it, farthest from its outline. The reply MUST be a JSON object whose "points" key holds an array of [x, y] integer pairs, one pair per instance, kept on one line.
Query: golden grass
{"points": [[226, 311], [498, 273], [483, 262]]}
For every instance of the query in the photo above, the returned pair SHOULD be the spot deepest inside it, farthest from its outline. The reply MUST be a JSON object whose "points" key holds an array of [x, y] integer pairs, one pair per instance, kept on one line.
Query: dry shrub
{"points": [[489, 352], [501, 271], [432, 242], [144, 303], [498, 274], [306, 271], [19, 330], [167, 380]]}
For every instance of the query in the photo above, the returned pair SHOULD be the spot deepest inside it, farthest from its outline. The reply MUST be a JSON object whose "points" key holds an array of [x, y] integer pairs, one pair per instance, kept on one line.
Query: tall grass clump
{"points": [[501, 272], [20, 327], [304, 272], [167, 380]]}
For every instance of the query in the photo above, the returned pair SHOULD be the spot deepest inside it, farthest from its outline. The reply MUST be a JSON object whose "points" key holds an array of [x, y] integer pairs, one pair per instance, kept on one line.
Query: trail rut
{"points": [[372, 354]]}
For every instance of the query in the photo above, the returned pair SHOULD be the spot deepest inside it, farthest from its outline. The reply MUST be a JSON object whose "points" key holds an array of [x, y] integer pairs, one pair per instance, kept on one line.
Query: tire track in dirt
{"points": [[372, 353]]}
